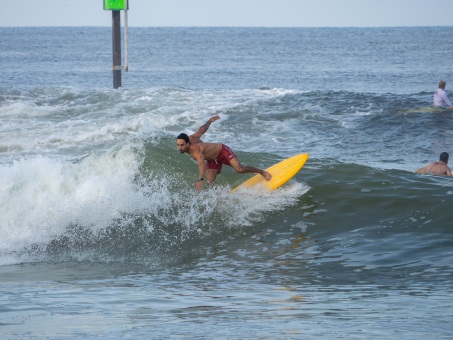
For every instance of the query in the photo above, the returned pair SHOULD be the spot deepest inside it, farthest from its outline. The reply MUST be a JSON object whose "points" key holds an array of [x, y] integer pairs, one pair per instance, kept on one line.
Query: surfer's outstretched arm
{"points": [[205, 127]]}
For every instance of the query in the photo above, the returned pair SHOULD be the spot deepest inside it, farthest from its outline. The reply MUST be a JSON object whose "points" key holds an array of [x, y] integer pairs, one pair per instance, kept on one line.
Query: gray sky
{"points": [[267, 13]]}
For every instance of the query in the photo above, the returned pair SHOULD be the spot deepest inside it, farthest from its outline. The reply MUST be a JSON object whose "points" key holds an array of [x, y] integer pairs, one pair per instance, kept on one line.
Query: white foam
{"points": [[247, 206], [41, 197], [69, 158]]}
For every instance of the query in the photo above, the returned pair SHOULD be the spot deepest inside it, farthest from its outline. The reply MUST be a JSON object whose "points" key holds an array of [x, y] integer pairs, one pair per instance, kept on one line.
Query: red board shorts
{"points": [[224, 157]]}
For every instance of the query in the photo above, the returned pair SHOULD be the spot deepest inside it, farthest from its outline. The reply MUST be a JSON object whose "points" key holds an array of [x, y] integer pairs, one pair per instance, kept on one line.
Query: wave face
{"points": [[86, 171]]}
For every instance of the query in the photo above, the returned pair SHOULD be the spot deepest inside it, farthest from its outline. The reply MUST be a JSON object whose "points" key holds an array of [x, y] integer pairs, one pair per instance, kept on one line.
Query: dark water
{"points": [[104, 236]]}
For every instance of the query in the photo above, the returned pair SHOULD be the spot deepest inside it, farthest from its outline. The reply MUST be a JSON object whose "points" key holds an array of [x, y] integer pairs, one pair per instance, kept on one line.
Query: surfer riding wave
{"points": [[215, 154]]}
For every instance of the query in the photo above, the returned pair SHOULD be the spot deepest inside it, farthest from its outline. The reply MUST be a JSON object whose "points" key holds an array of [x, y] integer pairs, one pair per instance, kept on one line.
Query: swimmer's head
{"points": [[444, 157]]}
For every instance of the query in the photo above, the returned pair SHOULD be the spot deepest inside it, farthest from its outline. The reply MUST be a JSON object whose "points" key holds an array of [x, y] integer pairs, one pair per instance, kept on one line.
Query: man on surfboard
{"points": [[441, 97], [439, 168], [215, 155]]}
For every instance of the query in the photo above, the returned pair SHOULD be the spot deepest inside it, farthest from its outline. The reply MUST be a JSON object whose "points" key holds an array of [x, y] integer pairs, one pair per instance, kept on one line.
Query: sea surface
{"points": [[102, 234]]}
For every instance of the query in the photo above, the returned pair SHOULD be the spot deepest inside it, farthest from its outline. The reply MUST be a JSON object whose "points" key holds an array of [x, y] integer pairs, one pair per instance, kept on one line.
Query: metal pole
{"points": [[116, 43], [126, 66]]}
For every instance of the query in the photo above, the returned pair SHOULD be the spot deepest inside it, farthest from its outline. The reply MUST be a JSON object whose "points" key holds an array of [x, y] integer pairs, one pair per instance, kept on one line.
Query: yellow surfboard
{"points": [[281, 173], [429, 109]]}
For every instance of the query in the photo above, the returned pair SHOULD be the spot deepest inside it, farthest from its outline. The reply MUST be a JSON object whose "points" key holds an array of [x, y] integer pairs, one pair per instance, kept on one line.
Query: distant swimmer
{"points": [[441, 97], [214, 153], [439, 168]]}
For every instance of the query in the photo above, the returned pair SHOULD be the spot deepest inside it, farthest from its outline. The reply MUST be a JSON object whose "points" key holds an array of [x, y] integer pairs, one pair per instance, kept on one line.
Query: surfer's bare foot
{"points": [[267, 176]]}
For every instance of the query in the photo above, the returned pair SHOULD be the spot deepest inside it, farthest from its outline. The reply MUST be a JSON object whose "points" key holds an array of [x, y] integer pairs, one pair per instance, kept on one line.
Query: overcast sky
{"points": [[267, 13]]}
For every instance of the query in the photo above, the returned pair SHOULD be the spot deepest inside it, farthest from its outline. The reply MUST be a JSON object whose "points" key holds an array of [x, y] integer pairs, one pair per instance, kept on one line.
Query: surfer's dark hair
{"points": [[444, 157], [183, 136]]}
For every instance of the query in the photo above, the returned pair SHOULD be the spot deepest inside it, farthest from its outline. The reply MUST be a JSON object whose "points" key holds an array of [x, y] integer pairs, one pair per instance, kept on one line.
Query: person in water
{"points": [[215, 155], [439, 168], [441, 97]]}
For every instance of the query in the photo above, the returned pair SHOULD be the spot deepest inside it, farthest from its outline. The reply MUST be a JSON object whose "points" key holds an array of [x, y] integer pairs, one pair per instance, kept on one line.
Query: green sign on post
{"points": [[116, 5]]}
